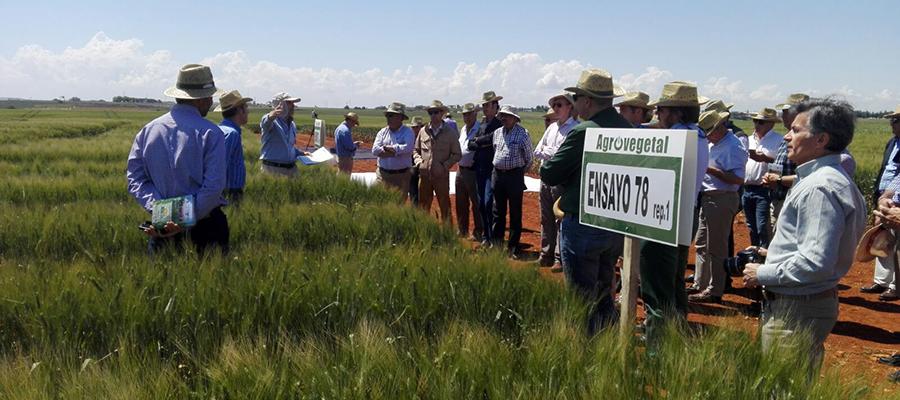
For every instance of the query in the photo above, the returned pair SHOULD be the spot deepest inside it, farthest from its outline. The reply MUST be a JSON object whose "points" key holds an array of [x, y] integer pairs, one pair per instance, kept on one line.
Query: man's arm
{"points": [[139, 185], [405, 148], [213, 173], [455, 155], [378, 145], [726, 176], [417, 150], [528, 151]]}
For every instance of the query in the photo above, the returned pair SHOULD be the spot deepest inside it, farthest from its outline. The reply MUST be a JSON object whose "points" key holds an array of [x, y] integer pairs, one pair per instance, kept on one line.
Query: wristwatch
{"points": [[779, 182]]}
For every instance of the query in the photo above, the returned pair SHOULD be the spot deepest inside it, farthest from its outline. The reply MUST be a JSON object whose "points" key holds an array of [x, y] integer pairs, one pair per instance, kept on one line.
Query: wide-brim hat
{"points": [[549, 113], [791, 100], [710, 120], [718, 105], [352, 116], [194, 81], [488, 97], [397, 108], [679, 94], [469, 107], [416, 121], [231, 100], [654, 122], [766, 114], [635, 99], [895, 114], [596, 83], [876, 242], [566, 95], [510, 109], [437, 105]]}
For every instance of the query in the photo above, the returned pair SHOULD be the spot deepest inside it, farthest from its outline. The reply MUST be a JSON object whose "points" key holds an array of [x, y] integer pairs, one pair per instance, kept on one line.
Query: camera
{"points": [[734, 266]]}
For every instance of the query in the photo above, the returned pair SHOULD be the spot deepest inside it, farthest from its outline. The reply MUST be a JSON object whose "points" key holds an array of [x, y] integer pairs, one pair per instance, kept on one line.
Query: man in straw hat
{"points": [[344, 144], [885, 280], [718, 204], [466, 192], [588, 254], [782, 171], [172, 152], [394, 146], [554, 136], [549, 118], [635, 109], [279, 135], [235, 112], [721, 106], [663, 266], [435, 152], [483, 146], [763, 147], [415, 123], [821, 223], [512, 157]]}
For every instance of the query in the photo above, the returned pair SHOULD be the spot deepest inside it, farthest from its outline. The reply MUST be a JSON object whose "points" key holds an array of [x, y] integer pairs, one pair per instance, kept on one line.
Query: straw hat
{"points": [[396, 108], [284, 96], [549, 113], [597, 83], [352, 116], [194, 81], [895, 114], [710, 120], [437, 105], [791, 100], [766, 114], [489, 97], [416, 121], [510, 109], [877, 242], [231, 100], [718, 105], [635, 99], [565, 95], [679, 94], [469, 107], [654, 122]]}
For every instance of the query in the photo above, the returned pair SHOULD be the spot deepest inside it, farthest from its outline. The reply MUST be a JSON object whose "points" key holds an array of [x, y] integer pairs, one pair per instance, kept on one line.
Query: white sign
{"points": [[319, 133], [626, 194]]}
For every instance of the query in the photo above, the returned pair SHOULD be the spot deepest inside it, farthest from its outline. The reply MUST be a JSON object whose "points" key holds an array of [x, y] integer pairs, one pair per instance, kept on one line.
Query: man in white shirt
{"points": [[763, 146], [466, 192], [554, 136]]}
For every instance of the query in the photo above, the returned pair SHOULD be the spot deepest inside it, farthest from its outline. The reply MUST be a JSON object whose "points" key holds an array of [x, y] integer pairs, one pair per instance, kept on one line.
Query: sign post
{"points": [[319, 133], [640, 183]]}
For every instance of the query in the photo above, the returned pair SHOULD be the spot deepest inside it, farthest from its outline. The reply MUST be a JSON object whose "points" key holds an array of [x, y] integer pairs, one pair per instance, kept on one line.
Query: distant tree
{"points": [[347, 107], [75, 98]]}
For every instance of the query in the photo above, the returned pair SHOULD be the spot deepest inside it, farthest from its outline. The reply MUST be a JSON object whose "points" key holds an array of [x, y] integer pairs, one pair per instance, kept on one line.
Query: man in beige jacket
{"points": [[435, 153]]}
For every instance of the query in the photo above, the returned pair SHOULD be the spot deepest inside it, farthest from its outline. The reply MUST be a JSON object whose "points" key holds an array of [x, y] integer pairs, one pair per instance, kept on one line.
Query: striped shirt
{"points": [[402, 141], [512, 149], [178, 154], [554, 137], [235, 173]]}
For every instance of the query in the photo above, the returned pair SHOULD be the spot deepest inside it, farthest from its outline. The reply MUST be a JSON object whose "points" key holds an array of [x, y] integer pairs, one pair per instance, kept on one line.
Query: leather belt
{"points": [[825, 294], [393, 171], [279, 165], [716, 192], [467, 168]]}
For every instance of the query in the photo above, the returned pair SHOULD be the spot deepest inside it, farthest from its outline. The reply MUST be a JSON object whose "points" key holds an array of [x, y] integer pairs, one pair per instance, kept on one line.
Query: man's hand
{"points": [[713, 171], [750, 280], [277, 112], [171, 228], [757, 156], [890, 219], [770, 180]]}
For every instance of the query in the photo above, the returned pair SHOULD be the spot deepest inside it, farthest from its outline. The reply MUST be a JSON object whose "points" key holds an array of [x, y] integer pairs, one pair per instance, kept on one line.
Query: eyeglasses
{"points": [[895, 120], [576, 97], [434, 112], [759, 121], [558, 105]]}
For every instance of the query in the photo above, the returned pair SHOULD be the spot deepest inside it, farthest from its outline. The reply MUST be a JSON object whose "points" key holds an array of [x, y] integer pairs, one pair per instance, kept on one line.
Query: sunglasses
{"points": [[895, 120], [434, 112], [559, 105], [757, 121], [576, 97]]}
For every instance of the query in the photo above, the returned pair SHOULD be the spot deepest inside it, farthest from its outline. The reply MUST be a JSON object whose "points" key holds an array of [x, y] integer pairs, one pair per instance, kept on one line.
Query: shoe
{"points": [[556, 268], [893, 360], [514, 252], [546, 263], [693, 289], [728, 286], [889, 295], [474, 238], [873, 288], [894, 377], [705, 297], [754, 309], [689, 279]]}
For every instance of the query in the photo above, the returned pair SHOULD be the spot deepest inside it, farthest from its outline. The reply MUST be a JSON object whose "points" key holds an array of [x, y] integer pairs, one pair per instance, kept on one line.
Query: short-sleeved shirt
{"points": [[768, 145], [727, 155], [702, 155]]}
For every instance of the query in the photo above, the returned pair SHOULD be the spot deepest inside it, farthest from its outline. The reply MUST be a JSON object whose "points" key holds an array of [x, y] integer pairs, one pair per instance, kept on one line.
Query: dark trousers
{"points": [[414, 186], [485, 202], [210, 231], [662, 286], [508, 187]]}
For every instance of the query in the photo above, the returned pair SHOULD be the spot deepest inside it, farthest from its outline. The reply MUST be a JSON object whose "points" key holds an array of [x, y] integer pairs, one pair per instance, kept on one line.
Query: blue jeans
{"points": [[485, 202], [756, 202], [589, 258]]}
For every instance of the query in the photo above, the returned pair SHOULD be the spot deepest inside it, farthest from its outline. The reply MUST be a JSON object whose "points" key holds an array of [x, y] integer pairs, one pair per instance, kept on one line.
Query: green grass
{"points": [[332, 290]]}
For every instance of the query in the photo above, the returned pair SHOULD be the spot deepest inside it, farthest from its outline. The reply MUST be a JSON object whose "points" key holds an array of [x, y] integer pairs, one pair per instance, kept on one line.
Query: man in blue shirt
{"points": [[344, 144], [279, 134], [181, 153], [394, 147], [234, 114]]}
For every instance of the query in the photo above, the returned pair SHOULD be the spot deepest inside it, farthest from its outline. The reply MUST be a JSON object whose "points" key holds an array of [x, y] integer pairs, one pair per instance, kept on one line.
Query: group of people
{"points": [[804, 213]]}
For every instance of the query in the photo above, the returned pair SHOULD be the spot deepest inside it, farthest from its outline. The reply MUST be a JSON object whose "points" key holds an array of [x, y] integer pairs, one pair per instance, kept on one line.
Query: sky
{"points": [[365, 53]]}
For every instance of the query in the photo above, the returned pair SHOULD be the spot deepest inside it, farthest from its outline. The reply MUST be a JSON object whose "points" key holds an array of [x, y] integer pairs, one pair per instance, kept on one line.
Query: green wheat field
{"points": [[331, 291]]}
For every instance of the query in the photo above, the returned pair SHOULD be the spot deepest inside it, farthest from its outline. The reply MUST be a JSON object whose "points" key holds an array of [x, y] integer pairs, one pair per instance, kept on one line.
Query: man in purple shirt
{"points": [[181, 153]]}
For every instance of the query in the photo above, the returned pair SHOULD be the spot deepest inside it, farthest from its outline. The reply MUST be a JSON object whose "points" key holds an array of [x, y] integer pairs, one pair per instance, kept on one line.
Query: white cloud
{"points": [[884, 95], [766, 93], [650, 82], [723, 88]]}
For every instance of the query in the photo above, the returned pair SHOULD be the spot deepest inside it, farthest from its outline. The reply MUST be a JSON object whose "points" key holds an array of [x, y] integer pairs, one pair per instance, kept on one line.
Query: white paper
{"points": [[318, 156]]}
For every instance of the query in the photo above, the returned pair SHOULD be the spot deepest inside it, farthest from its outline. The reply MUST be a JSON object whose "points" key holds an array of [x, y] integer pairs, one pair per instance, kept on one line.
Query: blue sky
{"points": [[371, 53]]}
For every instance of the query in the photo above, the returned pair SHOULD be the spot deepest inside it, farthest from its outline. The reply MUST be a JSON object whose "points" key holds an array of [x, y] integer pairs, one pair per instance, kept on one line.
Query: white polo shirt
{"points": [[768, 145]]}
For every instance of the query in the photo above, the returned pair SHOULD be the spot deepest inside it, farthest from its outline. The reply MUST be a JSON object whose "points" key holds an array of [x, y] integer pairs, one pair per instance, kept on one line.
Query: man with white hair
{"points": [[279, 135]]}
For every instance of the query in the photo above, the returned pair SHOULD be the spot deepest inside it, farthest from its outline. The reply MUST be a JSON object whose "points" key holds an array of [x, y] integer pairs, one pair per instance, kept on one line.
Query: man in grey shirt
{"points": [[824, 216]]}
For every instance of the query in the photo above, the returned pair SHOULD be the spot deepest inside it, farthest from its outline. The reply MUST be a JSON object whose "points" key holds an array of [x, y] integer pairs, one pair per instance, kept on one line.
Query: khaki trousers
{"points": [[398, 181], [440, 188], [716, 213], [345, 164], [549, 226], [467, 196], [811, 319]]}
